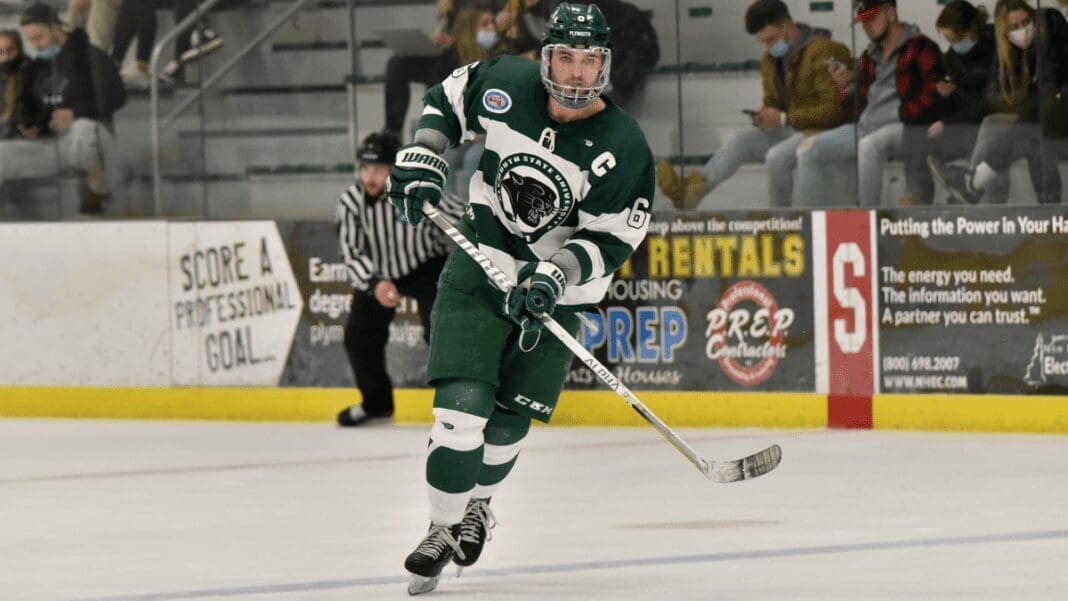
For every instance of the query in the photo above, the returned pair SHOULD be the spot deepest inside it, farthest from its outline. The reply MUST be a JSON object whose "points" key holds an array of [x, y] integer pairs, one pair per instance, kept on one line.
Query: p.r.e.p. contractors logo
{"points": [[745, 333], [1049, 361]]}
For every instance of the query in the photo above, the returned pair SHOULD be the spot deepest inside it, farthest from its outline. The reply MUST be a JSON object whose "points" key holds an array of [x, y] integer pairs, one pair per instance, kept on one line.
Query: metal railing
{"points": [[153, 72]]}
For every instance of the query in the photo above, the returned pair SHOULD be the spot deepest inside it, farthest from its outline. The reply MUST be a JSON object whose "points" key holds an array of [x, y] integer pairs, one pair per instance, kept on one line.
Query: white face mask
{"points": [[1023, 37], [486, 38]]}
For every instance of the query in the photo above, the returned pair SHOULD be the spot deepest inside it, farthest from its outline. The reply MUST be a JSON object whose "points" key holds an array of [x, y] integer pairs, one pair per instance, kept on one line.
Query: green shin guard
{"points": [[455, 453]]}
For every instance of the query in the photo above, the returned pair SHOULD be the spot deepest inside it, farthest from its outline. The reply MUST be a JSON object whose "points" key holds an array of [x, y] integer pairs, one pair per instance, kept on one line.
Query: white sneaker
{"points": [[135, 79], [202, 42]]}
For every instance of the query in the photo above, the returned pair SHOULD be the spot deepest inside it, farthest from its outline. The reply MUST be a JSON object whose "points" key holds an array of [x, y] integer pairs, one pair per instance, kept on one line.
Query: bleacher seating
{"points": [[274, 138]]}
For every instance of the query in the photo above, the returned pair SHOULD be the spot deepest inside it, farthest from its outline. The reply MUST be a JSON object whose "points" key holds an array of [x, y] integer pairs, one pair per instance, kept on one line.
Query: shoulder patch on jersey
{"points": [[497, 101]]}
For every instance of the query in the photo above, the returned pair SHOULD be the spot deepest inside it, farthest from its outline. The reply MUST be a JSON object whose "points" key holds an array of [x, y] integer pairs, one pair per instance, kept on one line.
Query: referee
{"points": [[387, 259]]}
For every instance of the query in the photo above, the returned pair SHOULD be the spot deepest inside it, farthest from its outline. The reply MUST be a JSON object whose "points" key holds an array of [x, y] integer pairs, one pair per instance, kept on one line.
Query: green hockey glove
{"points": [[540, 284], [416, 178]]}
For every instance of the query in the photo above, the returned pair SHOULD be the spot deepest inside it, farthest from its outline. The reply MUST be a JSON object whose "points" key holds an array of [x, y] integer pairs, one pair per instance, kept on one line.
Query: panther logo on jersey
{"points": [[531, 199], [533, 194]]}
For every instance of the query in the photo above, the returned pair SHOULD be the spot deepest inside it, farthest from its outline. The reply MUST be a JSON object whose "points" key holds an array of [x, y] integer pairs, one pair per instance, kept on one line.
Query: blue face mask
{"points": [[49, 53], [779, 49], [964, 46]]}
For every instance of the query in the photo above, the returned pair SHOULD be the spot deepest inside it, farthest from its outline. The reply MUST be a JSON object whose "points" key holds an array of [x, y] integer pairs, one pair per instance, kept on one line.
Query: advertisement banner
{"points": [[317, 357], [233, 303], [972, 300], [710, 302], [845, 304]]}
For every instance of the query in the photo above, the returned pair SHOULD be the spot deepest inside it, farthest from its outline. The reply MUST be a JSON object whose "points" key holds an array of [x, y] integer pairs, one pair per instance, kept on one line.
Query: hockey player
{"points": [[559, 202]]}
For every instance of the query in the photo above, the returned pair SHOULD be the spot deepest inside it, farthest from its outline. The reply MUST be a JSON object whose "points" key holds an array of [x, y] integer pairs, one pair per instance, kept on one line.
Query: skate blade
{"points": [[421, 584]]}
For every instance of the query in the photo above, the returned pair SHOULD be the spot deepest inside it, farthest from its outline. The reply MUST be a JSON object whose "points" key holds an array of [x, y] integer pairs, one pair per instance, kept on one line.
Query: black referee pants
{"points": [[367, 333]]}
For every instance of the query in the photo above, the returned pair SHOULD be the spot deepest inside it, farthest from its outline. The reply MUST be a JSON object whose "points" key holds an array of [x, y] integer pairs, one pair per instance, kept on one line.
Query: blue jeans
{"points": [[840, 145], [775, 147]]}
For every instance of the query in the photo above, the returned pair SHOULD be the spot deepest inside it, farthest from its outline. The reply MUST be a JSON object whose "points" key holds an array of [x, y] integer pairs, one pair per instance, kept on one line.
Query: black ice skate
{"points": [[474, 532], [430, 557]]}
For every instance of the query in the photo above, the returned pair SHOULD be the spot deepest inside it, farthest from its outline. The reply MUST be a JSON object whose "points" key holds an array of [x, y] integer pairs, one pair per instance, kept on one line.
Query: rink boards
{"points": [[922, 319]]}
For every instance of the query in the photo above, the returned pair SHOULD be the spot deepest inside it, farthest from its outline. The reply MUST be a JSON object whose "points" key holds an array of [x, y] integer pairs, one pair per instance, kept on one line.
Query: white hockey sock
{"points": [[497, 461], [454, 459], [447, 508]]}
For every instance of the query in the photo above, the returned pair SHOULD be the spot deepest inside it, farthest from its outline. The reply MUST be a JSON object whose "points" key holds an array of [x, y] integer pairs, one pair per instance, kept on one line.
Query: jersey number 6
{"points": [[639, 214]]}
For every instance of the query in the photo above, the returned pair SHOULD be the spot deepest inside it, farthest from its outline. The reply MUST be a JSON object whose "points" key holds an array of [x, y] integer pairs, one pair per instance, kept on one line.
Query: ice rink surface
{"points": [[124, 511]]}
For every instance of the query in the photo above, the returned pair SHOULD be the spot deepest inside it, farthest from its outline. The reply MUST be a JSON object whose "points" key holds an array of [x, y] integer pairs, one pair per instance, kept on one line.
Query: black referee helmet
{"points": [[378, 147]]}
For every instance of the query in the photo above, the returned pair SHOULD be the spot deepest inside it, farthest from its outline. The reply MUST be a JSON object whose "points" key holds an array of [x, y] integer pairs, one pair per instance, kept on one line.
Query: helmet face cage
{"points": [[582, 29], [573, 97]]}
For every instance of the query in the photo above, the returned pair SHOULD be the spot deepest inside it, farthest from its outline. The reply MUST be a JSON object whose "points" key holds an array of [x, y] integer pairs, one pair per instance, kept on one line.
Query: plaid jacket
{"points": [[919, 69]]}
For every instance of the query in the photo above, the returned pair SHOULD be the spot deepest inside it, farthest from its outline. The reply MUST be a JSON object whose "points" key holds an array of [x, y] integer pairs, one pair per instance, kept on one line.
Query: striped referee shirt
{"points": [[377, 245]]}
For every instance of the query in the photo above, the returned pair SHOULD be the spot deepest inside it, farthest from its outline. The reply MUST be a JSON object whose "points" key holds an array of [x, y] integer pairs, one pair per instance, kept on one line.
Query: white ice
{"points": [[125, 511]]}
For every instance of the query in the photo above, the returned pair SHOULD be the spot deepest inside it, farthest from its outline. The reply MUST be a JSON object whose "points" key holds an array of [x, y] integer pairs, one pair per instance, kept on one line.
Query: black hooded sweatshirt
{"points": [[81, 78]]}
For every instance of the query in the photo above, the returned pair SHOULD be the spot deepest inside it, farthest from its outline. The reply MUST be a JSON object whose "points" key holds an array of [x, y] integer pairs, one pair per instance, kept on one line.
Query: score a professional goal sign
{"points": [[973, 300], [710, 302]]}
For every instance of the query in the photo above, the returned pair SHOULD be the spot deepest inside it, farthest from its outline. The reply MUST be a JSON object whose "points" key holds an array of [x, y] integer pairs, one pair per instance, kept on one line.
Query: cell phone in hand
{"points": [[749, 112]]}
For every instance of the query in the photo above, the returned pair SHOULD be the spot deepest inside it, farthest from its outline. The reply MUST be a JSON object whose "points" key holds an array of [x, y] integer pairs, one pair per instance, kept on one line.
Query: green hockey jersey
{"points": [[542, 188]]}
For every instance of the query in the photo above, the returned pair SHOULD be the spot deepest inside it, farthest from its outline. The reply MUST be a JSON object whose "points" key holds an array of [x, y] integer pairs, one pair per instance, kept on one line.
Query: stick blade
{"points": [[746, 468]]}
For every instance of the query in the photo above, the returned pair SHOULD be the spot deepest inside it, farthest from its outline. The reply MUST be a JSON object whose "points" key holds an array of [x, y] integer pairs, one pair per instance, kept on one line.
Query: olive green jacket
{"points": [[811, 102]]}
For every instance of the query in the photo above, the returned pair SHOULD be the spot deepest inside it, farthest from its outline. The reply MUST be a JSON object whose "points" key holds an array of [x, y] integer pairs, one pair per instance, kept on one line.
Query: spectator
{"points": [[1028, 105], [800, 100], [69, 94], [137, 19], [524, 23], [11, 61], [201, 39], [97, 18], [897, 83], [967, 62], [473, 38], [78, 13], [386, 258], [447, 11]]}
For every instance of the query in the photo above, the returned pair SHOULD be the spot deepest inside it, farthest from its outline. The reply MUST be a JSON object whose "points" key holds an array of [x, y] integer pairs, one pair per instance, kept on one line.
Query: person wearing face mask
{"points": [[1028, 97], [799, 100], [70, 91], [895, 88], [11, 61], [967, 61], [473, 37], [523, 24]]}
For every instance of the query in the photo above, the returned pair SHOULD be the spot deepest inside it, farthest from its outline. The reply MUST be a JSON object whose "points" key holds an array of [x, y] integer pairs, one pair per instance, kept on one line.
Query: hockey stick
{"points": [[752, 466]]}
